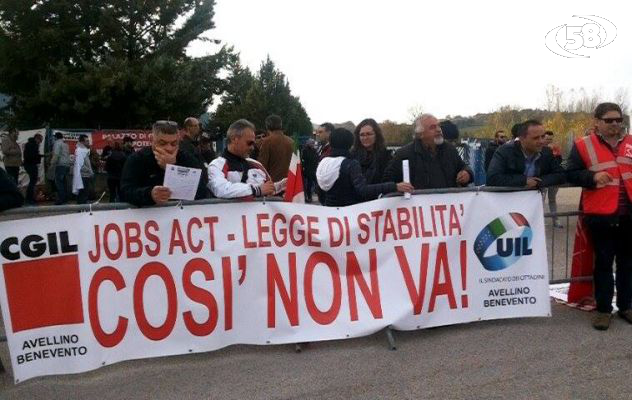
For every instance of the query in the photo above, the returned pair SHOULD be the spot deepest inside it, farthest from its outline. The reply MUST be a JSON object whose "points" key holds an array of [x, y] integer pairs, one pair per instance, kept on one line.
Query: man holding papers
{"points": [[142, 181]]}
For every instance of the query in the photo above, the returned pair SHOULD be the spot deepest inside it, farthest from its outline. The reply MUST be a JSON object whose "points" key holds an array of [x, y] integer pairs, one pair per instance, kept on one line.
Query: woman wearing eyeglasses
{"points": [[370, 151]]}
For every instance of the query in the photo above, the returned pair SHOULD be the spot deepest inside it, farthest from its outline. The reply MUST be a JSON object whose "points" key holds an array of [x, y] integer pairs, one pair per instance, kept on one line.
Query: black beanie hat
{"points": [[341, 139]]}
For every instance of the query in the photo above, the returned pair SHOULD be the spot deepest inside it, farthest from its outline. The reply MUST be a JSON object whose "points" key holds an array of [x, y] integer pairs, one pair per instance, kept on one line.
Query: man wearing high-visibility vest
{"points": [[601, 163]]}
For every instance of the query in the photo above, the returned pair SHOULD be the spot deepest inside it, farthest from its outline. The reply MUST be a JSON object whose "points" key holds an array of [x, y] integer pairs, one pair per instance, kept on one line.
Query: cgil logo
{"points": [[503, 241]]}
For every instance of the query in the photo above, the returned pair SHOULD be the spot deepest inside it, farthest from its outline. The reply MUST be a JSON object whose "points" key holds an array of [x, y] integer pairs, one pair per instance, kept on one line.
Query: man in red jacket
{"points": [[601, 163]]}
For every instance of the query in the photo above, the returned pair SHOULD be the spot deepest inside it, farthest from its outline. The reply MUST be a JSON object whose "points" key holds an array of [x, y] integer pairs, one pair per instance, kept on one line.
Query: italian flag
{"points": [[294, 189]]}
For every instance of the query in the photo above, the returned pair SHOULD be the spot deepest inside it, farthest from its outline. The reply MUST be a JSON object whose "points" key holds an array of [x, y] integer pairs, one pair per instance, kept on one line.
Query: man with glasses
{"points": [[234, 174], [500, 137], [144, 170], [601, 163], [433, 162]]}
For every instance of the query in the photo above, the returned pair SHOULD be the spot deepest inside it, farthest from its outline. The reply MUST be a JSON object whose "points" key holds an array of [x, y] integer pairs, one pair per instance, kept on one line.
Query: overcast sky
{"points": [[352, 59]]}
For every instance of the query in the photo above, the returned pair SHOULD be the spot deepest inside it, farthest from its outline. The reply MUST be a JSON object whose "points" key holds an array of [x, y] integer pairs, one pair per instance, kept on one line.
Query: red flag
{"points": [[581, 291], [294, 189]]}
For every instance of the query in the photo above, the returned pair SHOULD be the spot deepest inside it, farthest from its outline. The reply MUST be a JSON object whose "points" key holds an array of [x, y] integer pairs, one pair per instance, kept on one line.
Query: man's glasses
{"points": [[611, 120], [367, 134]]}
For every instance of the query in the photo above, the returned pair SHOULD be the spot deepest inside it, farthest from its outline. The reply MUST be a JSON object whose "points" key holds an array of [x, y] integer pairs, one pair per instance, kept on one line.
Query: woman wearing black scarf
{"points": [[370, 151]]}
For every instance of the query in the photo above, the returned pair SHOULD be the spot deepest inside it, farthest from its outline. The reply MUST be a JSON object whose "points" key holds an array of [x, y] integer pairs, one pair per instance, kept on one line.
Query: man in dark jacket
{"points": [[309, 162], [525, 163], [433, 163], [144, 170], [32, 159], [341, 179], [499, 139], [189, 143], [10, 196]]}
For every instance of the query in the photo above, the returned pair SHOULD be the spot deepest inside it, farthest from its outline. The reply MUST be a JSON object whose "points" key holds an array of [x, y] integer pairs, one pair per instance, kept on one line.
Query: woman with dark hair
{"points": [[370, 151], [340, 177]]}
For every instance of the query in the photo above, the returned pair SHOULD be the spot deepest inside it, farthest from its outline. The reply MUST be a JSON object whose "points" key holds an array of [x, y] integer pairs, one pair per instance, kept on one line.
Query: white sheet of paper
{"points": [[182, 181], [406, 173]]}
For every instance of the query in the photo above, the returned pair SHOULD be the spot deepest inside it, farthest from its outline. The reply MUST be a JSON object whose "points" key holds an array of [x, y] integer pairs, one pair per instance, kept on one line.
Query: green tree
{"points": [[256, 97], [113, 63]]}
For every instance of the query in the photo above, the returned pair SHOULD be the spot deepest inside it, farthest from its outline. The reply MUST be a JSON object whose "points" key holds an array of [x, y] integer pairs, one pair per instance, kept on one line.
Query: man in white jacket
{"points": [[82, 171], [234, 174]]}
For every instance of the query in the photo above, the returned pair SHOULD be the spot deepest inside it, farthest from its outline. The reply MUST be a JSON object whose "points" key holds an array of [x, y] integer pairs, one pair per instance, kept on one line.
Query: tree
{"points": [[113, 63], [256, 97]]}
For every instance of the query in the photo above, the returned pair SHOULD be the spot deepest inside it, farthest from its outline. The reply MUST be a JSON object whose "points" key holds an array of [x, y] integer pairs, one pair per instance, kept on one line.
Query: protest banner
{"points": [[86, 290]]}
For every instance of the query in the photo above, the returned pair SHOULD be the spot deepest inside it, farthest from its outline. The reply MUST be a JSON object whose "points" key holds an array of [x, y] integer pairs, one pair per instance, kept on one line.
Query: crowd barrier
{"points": [[459, 216]]}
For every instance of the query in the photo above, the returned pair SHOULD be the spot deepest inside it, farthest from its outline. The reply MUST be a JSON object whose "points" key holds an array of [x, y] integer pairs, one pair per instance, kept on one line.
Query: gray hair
{"points": [[418, 128], [237, 128]]}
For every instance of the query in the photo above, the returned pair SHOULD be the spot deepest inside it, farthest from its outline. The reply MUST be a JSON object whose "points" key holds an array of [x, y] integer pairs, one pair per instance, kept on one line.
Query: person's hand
{"points": [[602, 179], [267, 189], [463, 177], [160, 194], [164, 157], [533, 183], [405, 187]]}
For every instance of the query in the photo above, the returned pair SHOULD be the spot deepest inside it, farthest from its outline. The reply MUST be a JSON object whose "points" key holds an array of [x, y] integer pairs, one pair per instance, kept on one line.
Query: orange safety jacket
{"points": [[599, 157]]}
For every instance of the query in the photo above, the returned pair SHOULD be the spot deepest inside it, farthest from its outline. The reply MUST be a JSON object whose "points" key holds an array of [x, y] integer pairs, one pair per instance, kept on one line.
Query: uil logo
{"points": [[503, 242]]}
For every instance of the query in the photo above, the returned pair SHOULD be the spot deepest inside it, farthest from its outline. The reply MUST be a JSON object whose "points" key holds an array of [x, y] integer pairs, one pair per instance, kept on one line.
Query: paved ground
{"points": [[545, 358]]}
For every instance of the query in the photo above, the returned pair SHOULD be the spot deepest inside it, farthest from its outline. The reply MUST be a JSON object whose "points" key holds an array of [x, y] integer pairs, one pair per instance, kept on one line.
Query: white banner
{"points": [[82, 291]]}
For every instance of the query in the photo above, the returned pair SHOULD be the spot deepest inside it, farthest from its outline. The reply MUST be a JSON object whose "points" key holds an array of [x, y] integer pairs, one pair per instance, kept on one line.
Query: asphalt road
{"points": [[540, 358]]}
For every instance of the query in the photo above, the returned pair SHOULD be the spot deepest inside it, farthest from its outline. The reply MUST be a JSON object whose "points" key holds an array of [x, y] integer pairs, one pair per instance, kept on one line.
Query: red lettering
{"points": [[372, 296], [403, 221], [416, 294], [445, 288], [199, 295], [132, 237], [152, 237], [297, 241], [160, 270], [335, 232], [263, 229], [364, 227], [312, 231], [328, 316], [211, 221], [200, 244], [275, 280], [280, 231], [94, 257], [228, 293], [118, 240], [177, 239], [104, 338], [244, 225]]}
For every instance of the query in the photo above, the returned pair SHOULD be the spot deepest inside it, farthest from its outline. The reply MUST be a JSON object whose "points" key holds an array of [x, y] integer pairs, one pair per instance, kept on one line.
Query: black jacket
{"points": [[427, 170], [141, 173], [373, 164], [309, 161], [32, 155], [507, 167], [10, 196], [489, 153], [114, 164], [351, 186]]}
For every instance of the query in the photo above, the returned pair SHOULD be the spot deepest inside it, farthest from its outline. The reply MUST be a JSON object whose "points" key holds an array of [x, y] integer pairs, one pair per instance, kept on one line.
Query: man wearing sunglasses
{"points": [[500, 137], [144, 170], [433, 162], [234, 174], [601, 163]]}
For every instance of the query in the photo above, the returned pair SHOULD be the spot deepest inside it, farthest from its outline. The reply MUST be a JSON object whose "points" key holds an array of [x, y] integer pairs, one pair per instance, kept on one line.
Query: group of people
{"points": [[348, 168]]}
